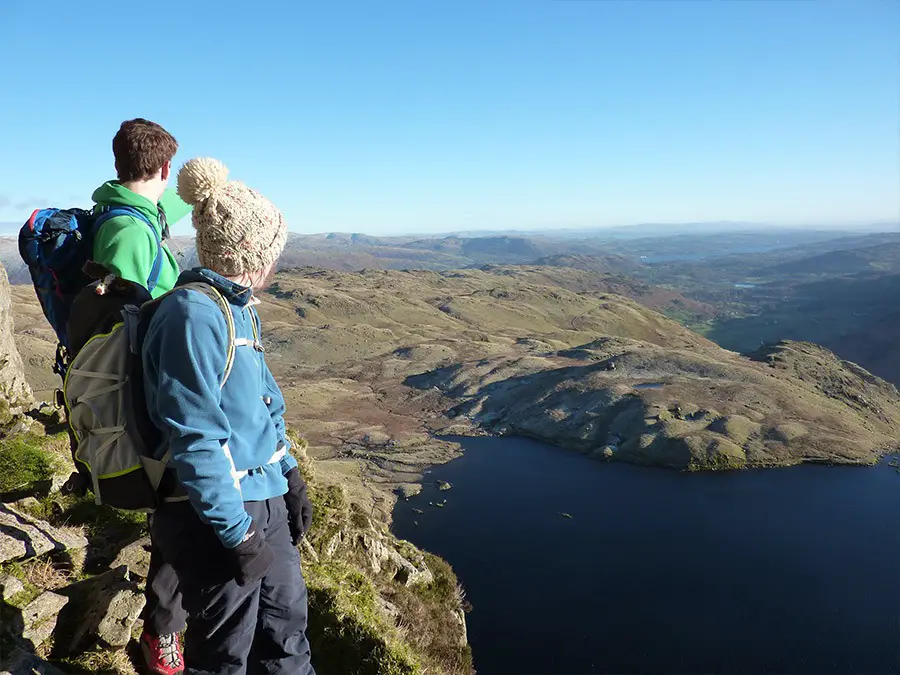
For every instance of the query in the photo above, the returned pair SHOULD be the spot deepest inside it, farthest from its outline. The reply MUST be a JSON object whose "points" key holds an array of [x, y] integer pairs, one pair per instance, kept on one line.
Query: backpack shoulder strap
{"points": [[104, 213], [211, 292]]}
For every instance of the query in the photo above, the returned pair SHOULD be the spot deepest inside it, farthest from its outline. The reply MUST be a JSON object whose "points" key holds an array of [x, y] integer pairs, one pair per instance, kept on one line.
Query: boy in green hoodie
{"points": [[128, 247], [124, 244]]}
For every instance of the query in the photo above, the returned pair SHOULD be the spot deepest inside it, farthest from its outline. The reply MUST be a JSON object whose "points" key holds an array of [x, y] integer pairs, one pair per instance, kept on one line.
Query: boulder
{"points": [[136, 557], [24, 537], [49, 415], [388, 609], [21, 662], [10, 587], [40, 616], [102, 612], [26, 503], [383, 558], [51, 485]]}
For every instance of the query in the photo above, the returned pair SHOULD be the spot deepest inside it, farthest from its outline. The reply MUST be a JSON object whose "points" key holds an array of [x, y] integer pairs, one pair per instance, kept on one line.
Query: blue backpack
{"points": [[55, 244]]}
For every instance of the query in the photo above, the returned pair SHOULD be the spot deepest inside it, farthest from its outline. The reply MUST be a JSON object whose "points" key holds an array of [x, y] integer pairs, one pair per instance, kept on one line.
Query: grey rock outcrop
{"points": [[136, 557], [10, 587], [40, 616], [13, 386], [460, 616], [102, 611], [24, 537], [383, 558]]}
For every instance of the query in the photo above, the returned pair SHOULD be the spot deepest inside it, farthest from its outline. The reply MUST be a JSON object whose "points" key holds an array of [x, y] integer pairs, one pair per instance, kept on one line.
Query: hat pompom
{"points": [[199, 178]]}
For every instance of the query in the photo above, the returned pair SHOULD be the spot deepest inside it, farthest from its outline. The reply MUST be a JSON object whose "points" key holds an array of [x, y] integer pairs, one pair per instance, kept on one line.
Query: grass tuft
{"points": [[23, 461], [101, 662]]}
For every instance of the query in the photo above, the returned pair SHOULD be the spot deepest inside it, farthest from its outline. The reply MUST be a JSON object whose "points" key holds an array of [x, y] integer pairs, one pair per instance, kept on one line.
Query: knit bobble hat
{"points": [[238, 230]]}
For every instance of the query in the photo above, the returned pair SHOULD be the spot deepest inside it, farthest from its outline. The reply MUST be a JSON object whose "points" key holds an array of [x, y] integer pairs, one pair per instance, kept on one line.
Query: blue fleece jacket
{"points": [[225, 441]]}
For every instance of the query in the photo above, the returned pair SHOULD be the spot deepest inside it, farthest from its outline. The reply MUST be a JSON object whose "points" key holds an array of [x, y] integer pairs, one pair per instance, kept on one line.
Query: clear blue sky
{"points": [[397, 116]]}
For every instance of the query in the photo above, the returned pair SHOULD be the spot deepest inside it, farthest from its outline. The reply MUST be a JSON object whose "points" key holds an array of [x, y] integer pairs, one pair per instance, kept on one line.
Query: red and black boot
{"points": [[162, 654]]}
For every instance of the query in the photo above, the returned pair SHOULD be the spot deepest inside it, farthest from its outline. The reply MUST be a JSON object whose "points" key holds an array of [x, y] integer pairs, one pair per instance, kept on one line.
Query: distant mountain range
{"points": [[354, 252], [613, 232], [739, 288], [603, 251]]}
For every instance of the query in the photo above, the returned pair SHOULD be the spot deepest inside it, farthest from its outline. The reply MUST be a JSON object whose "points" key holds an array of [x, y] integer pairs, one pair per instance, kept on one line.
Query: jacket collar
{"points": [[234, 293]]}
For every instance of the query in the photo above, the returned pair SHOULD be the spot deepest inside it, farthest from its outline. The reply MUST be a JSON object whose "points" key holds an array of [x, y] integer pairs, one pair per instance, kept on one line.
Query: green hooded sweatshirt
{"points": [[126, 245]]}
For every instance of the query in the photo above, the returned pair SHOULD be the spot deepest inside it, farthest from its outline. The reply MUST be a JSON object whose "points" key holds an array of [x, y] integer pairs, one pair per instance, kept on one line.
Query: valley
{"points": [[375, 364], [839, 293], [701, 365]]}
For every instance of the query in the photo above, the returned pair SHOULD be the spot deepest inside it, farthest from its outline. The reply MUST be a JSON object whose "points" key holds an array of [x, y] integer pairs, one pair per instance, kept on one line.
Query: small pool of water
{"points": [[791, 570], [650, 385]]}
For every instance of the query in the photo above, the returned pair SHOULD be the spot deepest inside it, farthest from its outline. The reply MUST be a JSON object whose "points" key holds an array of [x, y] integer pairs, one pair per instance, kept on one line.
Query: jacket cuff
{"points": [[287, 463], [234, 534]]}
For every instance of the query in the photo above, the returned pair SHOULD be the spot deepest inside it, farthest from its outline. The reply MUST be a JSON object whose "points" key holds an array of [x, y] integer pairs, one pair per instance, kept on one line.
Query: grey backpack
{"points": [[112, 434]]}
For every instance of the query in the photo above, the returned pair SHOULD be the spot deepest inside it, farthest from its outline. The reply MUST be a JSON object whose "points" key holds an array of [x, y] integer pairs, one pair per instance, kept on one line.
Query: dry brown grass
{"points": [[429, 623], [104, 662], [46, 574]]}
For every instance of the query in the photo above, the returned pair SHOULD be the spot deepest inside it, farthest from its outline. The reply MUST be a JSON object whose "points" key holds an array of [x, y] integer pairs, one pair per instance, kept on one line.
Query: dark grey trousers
{"points": [[237, 630], [163, 613]]}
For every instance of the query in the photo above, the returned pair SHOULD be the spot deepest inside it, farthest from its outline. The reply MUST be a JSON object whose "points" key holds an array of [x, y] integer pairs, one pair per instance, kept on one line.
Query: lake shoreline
{"points": [[457, 431], [744, 571]]}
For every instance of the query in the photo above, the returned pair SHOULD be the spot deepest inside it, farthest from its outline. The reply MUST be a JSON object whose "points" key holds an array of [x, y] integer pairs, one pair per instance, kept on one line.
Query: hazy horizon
{"points": [[184, 229]]}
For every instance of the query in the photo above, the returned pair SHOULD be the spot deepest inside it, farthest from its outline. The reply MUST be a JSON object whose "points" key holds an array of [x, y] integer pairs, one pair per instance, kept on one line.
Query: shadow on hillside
{"points": [[21, 620], [12, 628], [19, 616]]}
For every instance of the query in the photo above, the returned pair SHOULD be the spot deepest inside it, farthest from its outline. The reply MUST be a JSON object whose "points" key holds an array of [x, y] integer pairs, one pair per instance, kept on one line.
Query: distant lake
{"points": [[792, 570], [650, 385]]}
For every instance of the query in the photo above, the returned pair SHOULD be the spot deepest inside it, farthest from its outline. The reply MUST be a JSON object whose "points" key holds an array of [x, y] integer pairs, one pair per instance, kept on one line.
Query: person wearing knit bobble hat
{"points": [[232, 538]]}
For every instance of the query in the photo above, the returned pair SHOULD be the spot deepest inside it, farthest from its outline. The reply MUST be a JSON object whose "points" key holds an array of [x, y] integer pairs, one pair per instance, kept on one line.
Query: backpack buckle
{"points": [[60, 363]]}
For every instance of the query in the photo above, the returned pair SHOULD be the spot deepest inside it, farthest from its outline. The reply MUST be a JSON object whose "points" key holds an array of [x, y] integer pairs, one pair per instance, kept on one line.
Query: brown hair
{"points": [[141, 147]]}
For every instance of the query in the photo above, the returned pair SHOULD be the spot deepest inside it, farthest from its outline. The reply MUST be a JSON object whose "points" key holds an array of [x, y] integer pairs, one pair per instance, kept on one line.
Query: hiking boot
{"points": [[162, 654]]}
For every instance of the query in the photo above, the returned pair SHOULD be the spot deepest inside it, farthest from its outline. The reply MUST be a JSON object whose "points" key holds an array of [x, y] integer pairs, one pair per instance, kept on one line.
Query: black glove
{"points": [[252, 558], [298, 505]]}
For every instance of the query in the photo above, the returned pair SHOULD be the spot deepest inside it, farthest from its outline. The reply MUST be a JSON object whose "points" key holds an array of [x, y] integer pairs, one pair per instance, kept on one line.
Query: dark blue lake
{"points": [[791, 570]]}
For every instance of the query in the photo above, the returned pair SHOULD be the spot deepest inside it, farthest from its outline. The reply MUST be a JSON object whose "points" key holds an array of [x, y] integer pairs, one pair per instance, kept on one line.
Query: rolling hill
{"points": [[883, 257], [373, 362]]}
